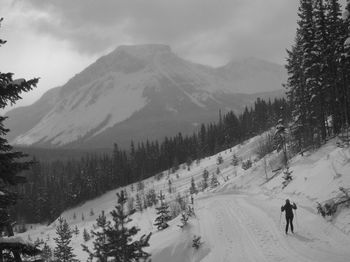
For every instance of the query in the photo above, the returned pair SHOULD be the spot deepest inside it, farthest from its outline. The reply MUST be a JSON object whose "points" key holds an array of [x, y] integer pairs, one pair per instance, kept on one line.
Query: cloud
{"points": [[203, 30]]}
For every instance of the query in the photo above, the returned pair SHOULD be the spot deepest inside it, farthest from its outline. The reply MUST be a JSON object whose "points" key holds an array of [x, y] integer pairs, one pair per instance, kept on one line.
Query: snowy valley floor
{"points": [[240, 220]]}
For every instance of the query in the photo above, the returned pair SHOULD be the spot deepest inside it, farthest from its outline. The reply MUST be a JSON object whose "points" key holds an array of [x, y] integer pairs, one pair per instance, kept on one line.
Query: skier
{"points": [[288, 208]]}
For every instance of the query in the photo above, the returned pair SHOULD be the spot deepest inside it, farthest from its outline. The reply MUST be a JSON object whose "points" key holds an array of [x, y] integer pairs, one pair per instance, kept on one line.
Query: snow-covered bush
{"points": [[184, 219], [329, 207], [196, 242], [151, 197], [287, 177], [219, 160], [235, 160], [247, 164], [214, 181]]}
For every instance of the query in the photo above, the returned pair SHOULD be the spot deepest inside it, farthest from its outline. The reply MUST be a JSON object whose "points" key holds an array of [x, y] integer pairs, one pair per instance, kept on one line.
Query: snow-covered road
{"points": [[248, 228]]}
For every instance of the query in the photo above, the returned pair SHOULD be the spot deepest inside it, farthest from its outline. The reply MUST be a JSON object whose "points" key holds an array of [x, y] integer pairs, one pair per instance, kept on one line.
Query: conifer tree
{"points": [[214, 181], [321, 87], [309, 66], [169, 186], [235, 160], [46, 254], [139, 206], [100, 248], [63, 252], [193, 188], [10, 162], [302, 82], [281, 141], [317, 67], [184, 220], [205, 176], [86, 235], [335, 39], [163, 214], [116, 240], [345, 63], [76, 230]]}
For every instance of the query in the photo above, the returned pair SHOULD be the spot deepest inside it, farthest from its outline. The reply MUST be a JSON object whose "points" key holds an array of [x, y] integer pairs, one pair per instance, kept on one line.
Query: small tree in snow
{"points": [[196, 242], [247, 164], [219, 160], [169, 186], [281, 141], [287, 177], [86, 235], [151, 197], [115, 241], [193, 188], [205, 176], [139, 206], [214, 181], [184, 219], [46, 254], [140, 185], [63, 251], [100, 239], [130, 204], [76, 230], [235, 160], [163, 214]]}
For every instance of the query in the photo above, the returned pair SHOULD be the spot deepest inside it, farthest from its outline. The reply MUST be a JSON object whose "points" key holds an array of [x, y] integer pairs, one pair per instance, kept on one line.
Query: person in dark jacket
{"points": [[288, 208]]}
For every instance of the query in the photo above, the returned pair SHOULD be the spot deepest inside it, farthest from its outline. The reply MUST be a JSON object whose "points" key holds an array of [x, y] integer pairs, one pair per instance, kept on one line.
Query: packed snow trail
{"points": [[246, 228]]}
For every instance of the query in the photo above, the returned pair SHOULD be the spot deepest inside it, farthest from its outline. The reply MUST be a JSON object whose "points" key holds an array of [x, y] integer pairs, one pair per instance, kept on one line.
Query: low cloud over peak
{"points": [[198, 27]]}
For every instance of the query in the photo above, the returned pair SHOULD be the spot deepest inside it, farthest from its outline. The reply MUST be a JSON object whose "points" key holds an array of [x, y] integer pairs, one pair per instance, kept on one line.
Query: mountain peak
{"points": [[143, 51]]}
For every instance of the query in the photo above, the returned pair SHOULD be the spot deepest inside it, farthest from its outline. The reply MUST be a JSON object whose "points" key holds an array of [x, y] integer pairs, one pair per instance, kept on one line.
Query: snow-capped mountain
{"points": [[140, 92]]}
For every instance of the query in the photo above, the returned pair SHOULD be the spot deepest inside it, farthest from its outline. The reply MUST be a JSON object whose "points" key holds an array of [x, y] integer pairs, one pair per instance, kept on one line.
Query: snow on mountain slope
{"points": [[94, 110], [134, 86]]}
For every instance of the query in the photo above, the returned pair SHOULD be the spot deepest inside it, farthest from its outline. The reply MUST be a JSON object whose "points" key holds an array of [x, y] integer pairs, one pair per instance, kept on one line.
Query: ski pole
{"points": [[296, 217]]}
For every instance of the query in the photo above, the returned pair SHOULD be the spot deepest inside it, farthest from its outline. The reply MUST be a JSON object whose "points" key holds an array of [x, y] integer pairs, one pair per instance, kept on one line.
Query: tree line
{"points": [[54, 186]]}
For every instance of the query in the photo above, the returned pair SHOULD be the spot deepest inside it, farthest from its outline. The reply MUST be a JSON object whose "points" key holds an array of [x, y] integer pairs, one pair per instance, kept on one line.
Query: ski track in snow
{"points": [[237, 230]]}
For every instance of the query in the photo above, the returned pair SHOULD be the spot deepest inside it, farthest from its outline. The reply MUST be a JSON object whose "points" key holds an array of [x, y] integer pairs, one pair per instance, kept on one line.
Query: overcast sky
{"points": [[55, 39]]}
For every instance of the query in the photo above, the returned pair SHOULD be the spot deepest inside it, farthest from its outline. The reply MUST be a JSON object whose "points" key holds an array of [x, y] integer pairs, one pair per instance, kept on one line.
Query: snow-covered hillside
{"points": [[240, 220]]}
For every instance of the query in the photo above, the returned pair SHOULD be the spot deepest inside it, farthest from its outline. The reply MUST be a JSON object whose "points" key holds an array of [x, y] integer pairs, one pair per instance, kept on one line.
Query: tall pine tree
{"points": [[11, 164]]}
